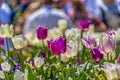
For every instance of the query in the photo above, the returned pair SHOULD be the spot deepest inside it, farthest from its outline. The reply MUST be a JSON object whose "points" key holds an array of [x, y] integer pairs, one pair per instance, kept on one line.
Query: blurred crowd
{"points": [[26, 15]]}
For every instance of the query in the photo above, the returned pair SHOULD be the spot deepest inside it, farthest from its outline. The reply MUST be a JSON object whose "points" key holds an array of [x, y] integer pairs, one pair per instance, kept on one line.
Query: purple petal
{"points": [[42, 32], [96, 55]]}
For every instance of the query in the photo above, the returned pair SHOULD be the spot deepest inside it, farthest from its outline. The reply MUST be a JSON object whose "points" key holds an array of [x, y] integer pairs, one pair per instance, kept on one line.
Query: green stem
{"points": [[108, 57], [21, 60], [7, 46], [6, 76], [43, 45]]}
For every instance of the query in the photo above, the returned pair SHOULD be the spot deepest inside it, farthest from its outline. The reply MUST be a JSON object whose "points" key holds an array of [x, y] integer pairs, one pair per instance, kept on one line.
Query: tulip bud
{"points": [[6, 31], [107, 44], [42, 32], [96, 55], [2, 41], [43, 54], [72, 48], [62, 24], [5, 66], [111, 71], [2, 76], [38, 62], [57, 46], [18, 41], [84, 25], [89, 42], [118, 59], [18, 75], [64, 58]]}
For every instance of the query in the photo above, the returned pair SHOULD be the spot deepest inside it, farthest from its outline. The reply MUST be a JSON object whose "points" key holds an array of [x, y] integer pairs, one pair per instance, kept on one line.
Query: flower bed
{"points": [[60, 54]]}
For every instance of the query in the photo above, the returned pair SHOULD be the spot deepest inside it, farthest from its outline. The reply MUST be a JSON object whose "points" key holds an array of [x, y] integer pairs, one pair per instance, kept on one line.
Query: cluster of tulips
{"points": [[60, 53]]}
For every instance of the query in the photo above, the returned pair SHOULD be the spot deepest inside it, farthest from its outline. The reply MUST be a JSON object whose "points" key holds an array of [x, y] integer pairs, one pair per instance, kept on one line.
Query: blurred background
{"points": [[26, 15]]}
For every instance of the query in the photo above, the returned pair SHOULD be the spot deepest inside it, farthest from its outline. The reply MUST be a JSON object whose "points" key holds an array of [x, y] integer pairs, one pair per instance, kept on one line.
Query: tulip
{"points": [[43, 54], [54, 33], [18, 41], [107, 44], [111, 32], [118, 59], [20, 75], [6, 66], [84, 25], [73, 34], [96, 55], [38, 62], [89, 42], [64, 58], [2, 76], [111, 71], [42, 32], [78, 60], [6, 31], [62, 24], [72, 48], [57, 46], [1, 41]]}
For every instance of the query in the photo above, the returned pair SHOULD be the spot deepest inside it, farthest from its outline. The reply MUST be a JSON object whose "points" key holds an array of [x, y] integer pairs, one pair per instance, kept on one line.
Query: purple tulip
{"points": [[84, 25], [110, 32], [78, 60], [96, 55], [89, 42], [42, 32], [57, 46], [118, 59], [107, 44], [43, 54], [0, 68], [2, 41]]}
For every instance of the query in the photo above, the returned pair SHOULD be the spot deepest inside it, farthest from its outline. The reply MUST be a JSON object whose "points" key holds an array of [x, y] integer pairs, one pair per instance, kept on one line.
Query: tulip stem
{"points": [[43, 45], [21, 60], [7, 50], [108, 57]]}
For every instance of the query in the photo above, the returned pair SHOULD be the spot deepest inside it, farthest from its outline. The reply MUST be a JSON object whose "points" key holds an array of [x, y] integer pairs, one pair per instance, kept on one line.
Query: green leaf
{"points": [[6, 76], [31, 75]]}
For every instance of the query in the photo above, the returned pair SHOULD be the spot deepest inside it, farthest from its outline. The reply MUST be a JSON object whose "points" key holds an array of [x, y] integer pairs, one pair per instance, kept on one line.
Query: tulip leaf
{"points": [[31, 75], [6, 76]]}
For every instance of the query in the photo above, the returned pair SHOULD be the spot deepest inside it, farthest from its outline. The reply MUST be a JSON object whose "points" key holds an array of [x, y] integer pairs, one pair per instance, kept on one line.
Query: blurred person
{"points": [[5, 13], [92, 5], [21, 20], [18, 11], [46, 15], [5, 18], [67, 7], [109, 13], [81, 14]]}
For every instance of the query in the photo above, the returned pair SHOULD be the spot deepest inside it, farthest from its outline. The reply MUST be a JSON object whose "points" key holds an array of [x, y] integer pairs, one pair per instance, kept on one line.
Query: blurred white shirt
{"points": [[45, 16]]}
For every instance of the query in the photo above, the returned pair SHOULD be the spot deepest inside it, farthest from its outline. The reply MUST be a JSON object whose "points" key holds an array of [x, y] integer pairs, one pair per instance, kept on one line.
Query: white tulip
{"points": [[72, 48], [19, 75], [111, 71], [6, 31], [54, 33], [18, 41], [62, 24], [5, 66], [73, 34], [2, 76], [38, 61], [64, 58]]}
